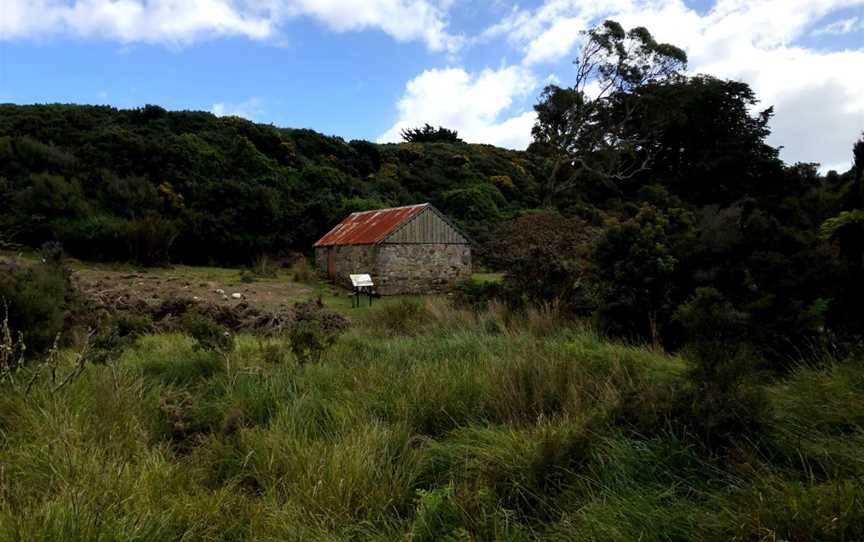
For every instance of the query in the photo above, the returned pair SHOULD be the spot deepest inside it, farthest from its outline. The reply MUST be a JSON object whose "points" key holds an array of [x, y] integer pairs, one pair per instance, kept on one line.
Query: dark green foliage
{"points": [[232, 189], [677, 174], [95, 237], [428, 134], [638, 261], [119, 331], [313, 331], [587, 137], [716, 333], [309, 341], [719, 402], [208, 334], [35, 297], [545, 255], [150, 239], [476, 295]]}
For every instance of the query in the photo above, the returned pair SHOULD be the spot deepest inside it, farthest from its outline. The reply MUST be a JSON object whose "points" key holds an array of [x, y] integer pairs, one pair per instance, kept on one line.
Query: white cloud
{"points": [[476, 105], [556, 42], [818, 95], [404, 20], [251, 109], [155, 21], [187, 21]]}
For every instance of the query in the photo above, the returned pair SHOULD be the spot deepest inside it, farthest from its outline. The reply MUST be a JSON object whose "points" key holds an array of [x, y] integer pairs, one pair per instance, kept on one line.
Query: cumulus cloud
{"points": [[476, 105], [251, 109], [187, 21], [156, 21], [751, 40], [404, 20]]}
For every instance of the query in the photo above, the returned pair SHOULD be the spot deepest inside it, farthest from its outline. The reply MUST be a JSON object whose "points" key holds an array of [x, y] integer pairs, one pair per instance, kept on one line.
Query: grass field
{"points": [[423, 422]]}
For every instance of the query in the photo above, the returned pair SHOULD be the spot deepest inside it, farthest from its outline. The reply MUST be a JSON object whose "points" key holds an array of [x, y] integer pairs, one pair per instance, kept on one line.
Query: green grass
{"points": [[421, 423], [483, 278]]}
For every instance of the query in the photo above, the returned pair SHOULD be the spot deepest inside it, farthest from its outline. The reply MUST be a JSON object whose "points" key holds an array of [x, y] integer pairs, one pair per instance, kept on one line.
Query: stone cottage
{"points": [[412, 249]]}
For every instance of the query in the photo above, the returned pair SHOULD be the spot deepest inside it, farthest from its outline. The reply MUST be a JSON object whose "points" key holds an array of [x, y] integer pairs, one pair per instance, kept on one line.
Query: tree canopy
{"points": [[430, 134]]}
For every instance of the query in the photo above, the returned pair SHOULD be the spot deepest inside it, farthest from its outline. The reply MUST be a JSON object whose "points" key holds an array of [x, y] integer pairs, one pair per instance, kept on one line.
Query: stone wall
{"points": [[421, 268], [348, 260], [321, 261]]}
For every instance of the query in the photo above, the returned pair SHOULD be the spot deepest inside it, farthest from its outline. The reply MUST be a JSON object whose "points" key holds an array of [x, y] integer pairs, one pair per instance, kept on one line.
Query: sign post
{"points": [[362, 284]]}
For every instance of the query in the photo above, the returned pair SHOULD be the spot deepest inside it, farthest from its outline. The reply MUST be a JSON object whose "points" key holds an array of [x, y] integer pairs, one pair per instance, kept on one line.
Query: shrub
{"points": [[301, 271], [264, 266], [718, 401], [208, 334], [636, 263], [475, 295], [119, 331], [545, 259], [150, 240], [314, 331], [35, 296], [309, 341], [716, 332], [96, 237], [274, 352]]}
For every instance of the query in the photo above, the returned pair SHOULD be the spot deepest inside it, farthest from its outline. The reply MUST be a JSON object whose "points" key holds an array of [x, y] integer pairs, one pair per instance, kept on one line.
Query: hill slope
{"points": [[94, 177]]}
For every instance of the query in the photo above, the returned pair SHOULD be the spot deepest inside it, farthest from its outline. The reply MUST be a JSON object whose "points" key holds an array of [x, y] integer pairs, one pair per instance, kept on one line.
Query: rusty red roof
{"points": [[369, 227]]}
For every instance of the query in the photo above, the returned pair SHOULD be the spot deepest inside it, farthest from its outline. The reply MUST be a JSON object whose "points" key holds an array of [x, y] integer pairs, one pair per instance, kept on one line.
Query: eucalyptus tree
{"points": [[585, 129]]}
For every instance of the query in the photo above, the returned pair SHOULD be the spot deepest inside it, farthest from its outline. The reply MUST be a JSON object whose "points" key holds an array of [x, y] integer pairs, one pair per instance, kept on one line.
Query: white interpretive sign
{"points": [[361, 281]]}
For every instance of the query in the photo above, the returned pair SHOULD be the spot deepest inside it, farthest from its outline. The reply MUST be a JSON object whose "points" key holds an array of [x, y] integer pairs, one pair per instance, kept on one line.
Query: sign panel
{"points": [[361, 280]]}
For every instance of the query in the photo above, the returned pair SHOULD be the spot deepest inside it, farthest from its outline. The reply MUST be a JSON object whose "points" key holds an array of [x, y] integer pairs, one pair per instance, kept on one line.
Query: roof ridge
{"points": [[391, 208]]}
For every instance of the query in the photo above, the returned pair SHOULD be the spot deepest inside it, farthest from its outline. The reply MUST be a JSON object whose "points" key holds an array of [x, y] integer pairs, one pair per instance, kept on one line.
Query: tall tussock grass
{"points": [[425, 422], [412, 316]]}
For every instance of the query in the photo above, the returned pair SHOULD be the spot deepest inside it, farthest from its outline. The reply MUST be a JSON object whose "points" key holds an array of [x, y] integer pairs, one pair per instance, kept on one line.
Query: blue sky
{"points": [[367, 68]]}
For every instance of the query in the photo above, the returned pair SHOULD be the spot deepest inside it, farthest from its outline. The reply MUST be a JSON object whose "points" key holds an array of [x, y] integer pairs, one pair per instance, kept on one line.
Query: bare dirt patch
{"points": [[199, 285], [265, 304]]}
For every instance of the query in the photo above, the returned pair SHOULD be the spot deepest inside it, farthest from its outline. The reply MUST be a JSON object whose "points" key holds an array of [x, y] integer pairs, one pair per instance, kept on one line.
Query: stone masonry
{"points": [[401, 268], [421, 268]]}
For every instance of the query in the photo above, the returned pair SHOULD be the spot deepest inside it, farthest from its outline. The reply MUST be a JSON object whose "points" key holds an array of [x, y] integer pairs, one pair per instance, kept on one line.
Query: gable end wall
{"points": [[426, 227]]}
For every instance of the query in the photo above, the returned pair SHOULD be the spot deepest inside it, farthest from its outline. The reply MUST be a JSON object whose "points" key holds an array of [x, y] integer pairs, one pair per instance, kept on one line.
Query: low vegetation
{"points": [[427, 422]]}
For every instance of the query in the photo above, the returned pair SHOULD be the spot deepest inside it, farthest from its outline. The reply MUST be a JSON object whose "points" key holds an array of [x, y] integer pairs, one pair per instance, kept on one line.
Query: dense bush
{"points": [[545, 256], [35, 297], [313, 331], [208, 334], [151, 239], [232, 189]]}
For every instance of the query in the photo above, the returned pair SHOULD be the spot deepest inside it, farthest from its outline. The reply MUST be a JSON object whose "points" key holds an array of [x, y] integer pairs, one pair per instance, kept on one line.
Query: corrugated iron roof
{"points": [[369, 227]]}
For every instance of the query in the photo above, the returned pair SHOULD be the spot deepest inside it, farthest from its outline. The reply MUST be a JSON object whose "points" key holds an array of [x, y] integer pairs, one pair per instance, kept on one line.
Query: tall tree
{"points": [[585, 128]]}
